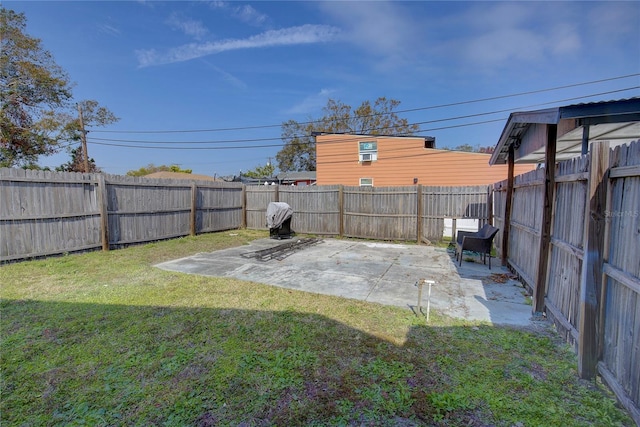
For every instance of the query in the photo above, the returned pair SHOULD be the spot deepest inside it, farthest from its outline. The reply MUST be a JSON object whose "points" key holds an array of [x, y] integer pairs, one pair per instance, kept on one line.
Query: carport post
{"points": [[504, 247], [540, 288]]}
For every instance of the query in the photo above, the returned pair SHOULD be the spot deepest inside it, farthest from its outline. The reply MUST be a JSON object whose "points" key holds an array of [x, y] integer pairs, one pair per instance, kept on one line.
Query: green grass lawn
{"points": [[104, 339]]}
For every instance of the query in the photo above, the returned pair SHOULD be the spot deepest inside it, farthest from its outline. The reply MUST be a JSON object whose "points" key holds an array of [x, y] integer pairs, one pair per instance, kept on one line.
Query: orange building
{"points": [[393, 161]]}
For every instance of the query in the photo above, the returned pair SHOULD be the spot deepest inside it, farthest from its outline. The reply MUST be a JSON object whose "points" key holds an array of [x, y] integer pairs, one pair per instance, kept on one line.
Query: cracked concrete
{"points": [[377, 272]]}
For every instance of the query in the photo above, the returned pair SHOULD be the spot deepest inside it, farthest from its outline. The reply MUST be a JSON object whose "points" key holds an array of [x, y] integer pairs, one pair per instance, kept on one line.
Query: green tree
{"points": [[93, 115], [464, 147], [299, 151], [261, 171], [489, 149], [151, 168], [35, 93], [32, 88], [471, 149], [76, 164]]}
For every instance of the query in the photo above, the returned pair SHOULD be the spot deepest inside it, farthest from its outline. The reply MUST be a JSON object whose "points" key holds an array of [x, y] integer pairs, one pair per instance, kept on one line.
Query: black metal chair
{"points": [[479, 241]]}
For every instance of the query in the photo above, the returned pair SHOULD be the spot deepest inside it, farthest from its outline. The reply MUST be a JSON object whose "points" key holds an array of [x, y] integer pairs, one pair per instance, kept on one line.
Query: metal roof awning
{"points": [[569, 145], [615, 121]]}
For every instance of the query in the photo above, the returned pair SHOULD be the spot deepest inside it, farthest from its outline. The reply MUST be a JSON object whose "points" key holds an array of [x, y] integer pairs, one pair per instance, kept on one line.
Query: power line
{"points": [[493, 98], [113, 142], [336, 141]]}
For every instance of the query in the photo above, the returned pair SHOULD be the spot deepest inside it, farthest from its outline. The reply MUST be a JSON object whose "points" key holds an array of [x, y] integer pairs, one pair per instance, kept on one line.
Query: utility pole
{"points": [[83, 136]]}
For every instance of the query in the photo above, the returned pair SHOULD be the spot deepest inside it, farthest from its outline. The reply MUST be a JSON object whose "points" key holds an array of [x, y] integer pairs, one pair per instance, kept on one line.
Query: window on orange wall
{"points": [[366, 182], [367, 151]]}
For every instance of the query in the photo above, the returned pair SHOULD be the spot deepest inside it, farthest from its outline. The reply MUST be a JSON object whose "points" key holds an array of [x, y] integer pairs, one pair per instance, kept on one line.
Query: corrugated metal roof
{"points": [[592, 114]]}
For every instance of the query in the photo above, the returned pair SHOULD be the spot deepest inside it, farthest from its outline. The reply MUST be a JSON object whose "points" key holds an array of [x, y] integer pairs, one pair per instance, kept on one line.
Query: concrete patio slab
{"points": [[377, 272]]}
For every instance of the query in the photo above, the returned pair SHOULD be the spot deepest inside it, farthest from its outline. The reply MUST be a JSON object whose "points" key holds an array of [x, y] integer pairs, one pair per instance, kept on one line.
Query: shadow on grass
{"points": [[93, 364]]}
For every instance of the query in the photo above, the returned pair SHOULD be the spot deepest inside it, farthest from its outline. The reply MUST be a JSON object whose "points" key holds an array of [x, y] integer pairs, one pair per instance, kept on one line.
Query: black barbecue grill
{"points": [[279, 220]]}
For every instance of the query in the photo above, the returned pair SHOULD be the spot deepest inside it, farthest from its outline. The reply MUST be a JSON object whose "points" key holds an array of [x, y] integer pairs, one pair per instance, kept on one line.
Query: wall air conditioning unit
{"points": [[366, 157]]}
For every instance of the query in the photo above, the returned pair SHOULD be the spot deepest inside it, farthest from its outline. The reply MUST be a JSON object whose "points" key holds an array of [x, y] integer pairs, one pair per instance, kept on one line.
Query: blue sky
{"points": [[242, 68]]}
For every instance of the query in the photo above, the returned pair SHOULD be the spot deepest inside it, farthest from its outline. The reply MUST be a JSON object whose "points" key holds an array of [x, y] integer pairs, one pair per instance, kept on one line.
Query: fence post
{"points": [[419, 212], [454, 229], [103, 202], [244, 207], [194, 207], [593, 244], [490, 204], [540, 288], [276, 193], [341, 210]]}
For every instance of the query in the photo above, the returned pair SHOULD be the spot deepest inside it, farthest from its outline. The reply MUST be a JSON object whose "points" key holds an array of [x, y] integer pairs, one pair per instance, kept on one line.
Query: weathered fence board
{"points": [[386, 213], [316, 208], [143, 210], [439, 202], [44, 213], [115, 211], [525, 224], [499, 194], [566, 252], [621, 311], [218, 207], [390, 213], [617, 322], [258, 198]]}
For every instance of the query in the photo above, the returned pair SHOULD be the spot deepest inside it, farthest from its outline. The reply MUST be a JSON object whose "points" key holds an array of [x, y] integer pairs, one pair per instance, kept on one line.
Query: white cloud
{"points": [[228, 77], [495, 35], [503, 45], [565, 40], [385, 29], [188, 26], [612, 21], [246, 13], [305, 34], [109, 29], [217, 4], [312, 103], [250, 15]]}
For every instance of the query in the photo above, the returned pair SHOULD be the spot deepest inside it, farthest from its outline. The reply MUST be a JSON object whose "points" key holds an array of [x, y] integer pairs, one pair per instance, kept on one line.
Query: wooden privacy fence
{"points": [[386, 213], [589, 277], [524, 223], [46, 213]]}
